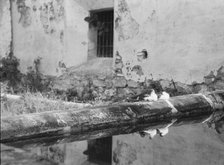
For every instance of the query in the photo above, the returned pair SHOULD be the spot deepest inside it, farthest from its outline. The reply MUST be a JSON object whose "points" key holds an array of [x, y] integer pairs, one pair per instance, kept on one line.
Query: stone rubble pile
{"points": [[107, 87]]}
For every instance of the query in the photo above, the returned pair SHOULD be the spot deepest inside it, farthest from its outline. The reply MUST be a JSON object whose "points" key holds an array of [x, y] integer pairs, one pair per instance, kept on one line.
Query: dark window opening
{"points": [[104, 33]]}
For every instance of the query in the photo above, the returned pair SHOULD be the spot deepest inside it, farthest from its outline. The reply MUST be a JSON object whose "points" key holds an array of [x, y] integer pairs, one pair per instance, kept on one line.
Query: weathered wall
{"points": [[37, 29], [76, 34], [51, 29], [92, 45], [185, 145], [95, 4], [185, 39], [5, 27], [68, 154]]}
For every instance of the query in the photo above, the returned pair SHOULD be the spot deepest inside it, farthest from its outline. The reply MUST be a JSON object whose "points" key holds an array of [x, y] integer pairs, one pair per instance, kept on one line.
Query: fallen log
{"points": [[124, 117]]}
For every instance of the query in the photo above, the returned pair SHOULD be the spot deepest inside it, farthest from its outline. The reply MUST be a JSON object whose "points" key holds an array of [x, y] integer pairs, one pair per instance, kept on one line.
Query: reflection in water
{"points": [[186, 144], [92, 152], [100, 150]]}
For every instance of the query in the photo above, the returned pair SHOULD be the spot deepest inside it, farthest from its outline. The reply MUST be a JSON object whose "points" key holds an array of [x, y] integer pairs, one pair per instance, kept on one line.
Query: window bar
{"points": [[105, 39], [103, 35]]}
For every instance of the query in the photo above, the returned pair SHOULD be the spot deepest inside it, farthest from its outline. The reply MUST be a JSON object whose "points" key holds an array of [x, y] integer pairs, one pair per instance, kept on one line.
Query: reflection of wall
{"points": [[74, 153], [185, 145], [68, 154], [5, 27], [185, 39]]}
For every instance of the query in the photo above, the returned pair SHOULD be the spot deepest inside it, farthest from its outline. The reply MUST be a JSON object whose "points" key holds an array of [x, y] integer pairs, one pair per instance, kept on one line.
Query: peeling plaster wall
{"points": [[185, 145], [76, 34], [95, 4], [5, 27], [185, 39], [92, 44], [54, 30], [37, 28]]}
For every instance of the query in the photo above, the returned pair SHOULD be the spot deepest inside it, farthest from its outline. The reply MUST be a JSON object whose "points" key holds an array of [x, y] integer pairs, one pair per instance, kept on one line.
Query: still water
{"points": [[194, 144]]}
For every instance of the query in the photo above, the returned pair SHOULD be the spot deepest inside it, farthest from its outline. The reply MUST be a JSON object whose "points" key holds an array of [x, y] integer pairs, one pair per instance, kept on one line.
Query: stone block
{"points": [[218, 85], [166, 84], [208, 80], [124, 92], [99, 83], [110, 92], [220, 73], [183, 88], [109, 83], [132, 84], [200, 88], [119, 82]]}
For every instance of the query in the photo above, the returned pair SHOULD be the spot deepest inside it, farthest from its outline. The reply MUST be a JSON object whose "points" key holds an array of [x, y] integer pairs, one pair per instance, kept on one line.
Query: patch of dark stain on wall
{"points": [[51, 12], [117, 21], [118, 64], [62, 36], [123, 6], [25, 11], [126, 29], [34, 8], [138, 70]]}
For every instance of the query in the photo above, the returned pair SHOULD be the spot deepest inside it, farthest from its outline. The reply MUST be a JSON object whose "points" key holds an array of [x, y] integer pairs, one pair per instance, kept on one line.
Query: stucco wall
{"points": [[185, 145], [92, 44], [5, 27], [95, 4], [54, 30], [185, 39], [37, 26], [76, 34]]}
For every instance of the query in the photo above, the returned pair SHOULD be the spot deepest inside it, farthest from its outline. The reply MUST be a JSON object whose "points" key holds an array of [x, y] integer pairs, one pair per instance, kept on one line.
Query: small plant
{"points": [[9, 70], [34, 79]]}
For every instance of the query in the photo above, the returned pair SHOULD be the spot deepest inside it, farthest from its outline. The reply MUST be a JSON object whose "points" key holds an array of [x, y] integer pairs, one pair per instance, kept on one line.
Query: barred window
{"points": [[105, 33]]}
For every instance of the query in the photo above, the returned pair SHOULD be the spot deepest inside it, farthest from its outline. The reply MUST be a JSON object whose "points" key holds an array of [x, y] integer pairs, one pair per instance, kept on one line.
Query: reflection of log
{"points": [[95, 134], [119, 116]]}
